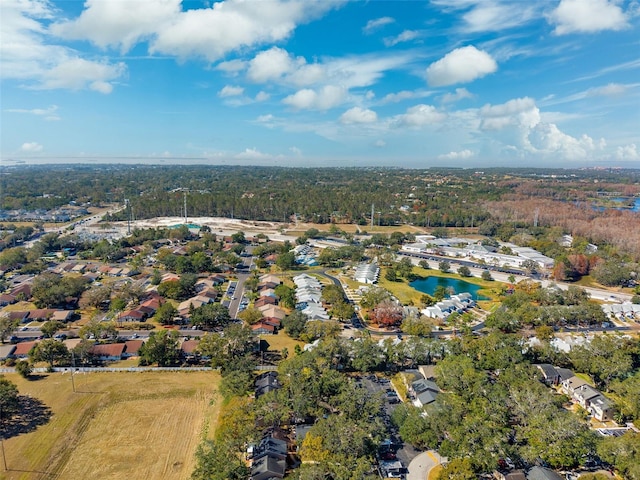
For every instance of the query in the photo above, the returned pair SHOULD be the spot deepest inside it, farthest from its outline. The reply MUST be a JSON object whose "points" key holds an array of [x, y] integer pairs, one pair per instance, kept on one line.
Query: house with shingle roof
{"points": [[108, 352]]}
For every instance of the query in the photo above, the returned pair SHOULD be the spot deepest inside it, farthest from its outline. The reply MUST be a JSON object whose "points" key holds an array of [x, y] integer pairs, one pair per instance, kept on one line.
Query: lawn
{"points": [[281, 340], [123, 425]]}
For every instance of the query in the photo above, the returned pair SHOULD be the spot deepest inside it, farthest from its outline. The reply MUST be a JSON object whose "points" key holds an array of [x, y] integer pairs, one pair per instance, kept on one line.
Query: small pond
{"points": [[428, 285]]}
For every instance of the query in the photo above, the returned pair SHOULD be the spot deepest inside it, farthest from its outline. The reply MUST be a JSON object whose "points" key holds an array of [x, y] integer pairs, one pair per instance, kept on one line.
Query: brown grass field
{"points": [[120, 425]]}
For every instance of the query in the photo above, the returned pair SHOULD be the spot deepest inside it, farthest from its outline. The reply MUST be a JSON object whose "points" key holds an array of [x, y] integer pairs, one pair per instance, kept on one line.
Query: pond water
{"points": [[428, 285]]}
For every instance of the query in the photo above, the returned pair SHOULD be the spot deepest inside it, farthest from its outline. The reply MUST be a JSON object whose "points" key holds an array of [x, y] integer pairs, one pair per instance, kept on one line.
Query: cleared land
{"points": [[142, 425]]}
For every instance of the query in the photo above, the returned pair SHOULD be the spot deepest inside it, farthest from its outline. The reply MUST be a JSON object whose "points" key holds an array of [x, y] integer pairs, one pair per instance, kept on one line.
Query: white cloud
{"points": [[547, 138], [230, 91], [405, 36], [77, 73], [518, 125], [461, 155], [270, 65], [496, 16], [587, 16], [462, 65], [232, 67], [201, 32], [610, 90], [459, 94], [420, 115], [265, 118], [380, 143], [358, 115], [262, 96], [516, 112], [295, 151], [118, 24], [48, 113], [491, 15], [628, 152], [25, 55], [227, 26], [404, 95], [31, 147], [373, 25], [325, 98], [308, 74], [253, 154]]}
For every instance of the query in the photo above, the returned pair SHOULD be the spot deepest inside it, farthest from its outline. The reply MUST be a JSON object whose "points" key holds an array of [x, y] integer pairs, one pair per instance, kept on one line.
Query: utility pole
{"points": [[185, 206], [127, 207], [73, 368], [372, 213]]}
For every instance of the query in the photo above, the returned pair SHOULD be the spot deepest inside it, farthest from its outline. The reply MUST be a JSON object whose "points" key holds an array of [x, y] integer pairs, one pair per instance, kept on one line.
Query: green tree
{"points": [[420, 327], [444, 266], [211, 316], [50, 351], [623, 453], [342, 311], [218, 461], [156, 277], [486, 276], [7, 326], [332, 294], [373, 296], [250, 316], [286, 296], [464, 271], [24, 368], [161, 348], [165, 313], [49, 328], [294, 324], [286, 261], [458, 469], [612, 273], [9, 400]]}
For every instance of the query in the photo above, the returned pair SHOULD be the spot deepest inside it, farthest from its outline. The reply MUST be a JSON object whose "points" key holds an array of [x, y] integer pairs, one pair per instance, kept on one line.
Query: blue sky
{"points": [[464, 83]]}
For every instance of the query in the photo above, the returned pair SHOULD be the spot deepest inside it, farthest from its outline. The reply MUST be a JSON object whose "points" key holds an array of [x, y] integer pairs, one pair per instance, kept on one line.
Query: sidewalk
{"points": [[421, 465]]}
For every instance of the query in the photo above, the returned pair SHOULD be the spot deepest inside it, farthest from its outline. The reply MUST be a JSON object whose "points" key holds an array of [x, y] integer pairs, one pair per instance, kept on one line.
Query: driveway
{"points": [[421, 465]]}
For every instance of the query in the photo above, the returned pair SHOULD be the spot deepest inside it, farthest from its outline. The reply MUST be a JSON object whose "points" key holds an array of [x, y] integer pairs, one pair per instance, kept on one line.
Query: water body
{"points": [[634, 208], [428, 285]]}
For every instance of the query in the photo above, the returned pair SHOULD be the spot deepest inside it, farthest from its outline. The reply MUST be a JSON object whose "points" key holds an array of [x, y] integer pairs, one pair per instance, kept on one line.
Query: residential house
{"points": [[268, 467], [262, 328], [552, 375], [570, 385], [23, 348], [262, 301], [425, 392], [108, 352], [189, 350], [272, 311], [7, 299], [132, 316], [602, 408], [6, 351], [266, 383], [541, 473], [132, 348], [270, 278], [21, 317]]}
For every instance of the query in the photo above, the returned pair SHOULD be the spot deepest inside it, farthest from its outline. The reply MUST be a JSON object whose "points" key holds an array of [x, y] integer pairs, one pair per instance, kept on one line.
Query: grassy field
{"points": [[117, 425], [281, 340]]}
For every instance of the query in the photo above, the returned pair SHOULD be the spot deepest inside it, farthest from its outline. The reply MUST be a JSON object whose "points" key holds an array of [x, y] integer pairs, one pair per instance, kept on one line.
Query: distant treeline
{"points": [[435, 197]]}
